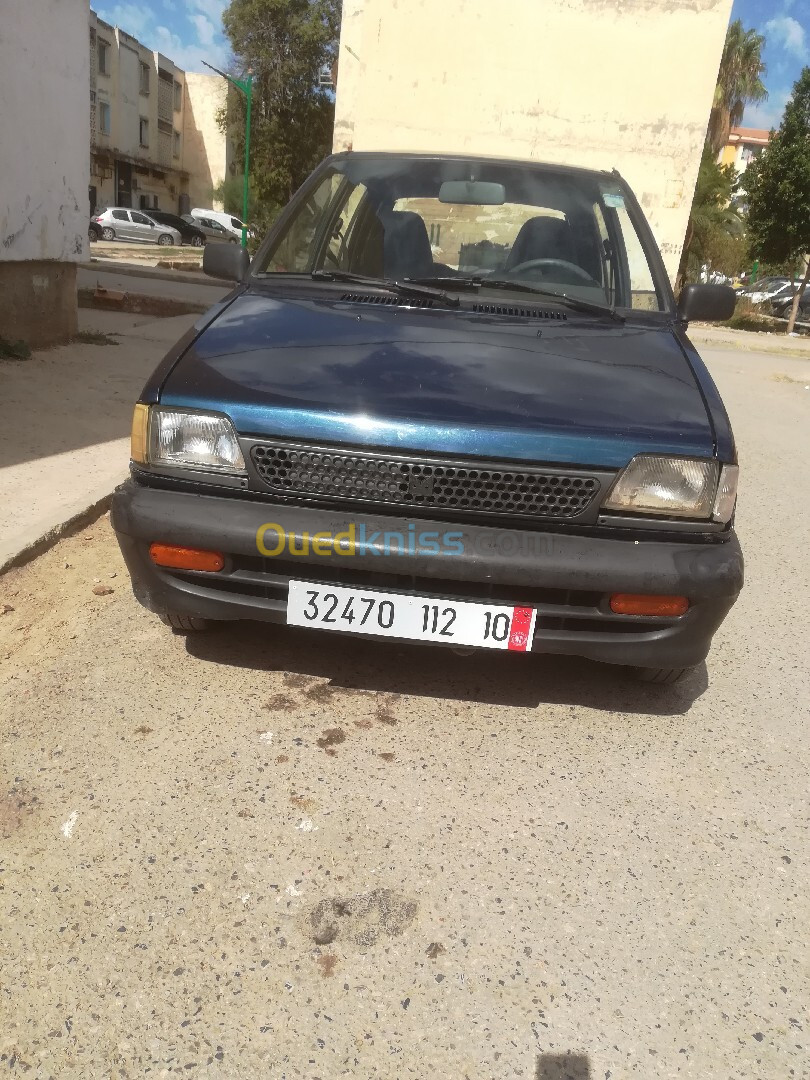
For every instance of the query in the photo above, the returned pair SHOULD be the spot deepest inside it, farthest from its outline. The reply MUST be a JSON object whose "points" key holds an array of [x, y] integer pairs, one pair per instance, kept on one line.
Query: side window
{"points": [[340, 244], [643, 295], [120, 215], [294, 252], [237, 224], [140, 219]]}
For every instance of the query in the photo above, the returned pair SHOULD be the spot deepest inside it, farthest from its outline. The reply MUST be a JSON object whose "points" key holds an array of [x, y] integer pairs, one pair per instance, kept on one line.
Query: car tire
{"points": [[107, 233], [93, 234], [660, 676], [197, 241], [186, 623], [233, 240], [165, 240]]}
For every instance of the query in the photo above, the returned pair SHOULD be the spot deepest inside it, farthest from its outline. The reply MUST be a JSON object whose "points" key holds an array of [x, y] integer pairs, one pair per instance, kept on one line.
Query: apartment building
{"points": [[744, 146], [154, 138]]}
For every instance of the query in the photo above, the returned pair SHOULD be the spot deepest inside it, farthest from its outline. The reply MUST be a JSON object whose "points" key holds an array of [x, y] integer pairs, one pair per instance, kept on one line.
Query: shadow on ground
{"points": [[419, 671], [562, 1067]]}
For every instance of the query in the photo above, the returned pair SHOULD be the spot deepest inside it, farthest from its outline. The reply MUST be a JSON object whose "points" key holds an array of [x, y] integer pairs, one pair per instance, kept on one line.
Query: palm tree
{"points": [[712, 210], [739, 82]]}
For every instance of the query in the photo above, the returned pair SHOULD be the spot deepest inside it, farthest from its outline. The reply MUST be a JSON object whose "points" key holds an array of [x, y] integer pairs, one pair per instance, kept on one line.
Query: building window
{"points": [[177, 144], [104, 117], [144, 132], [144, 78], [178, 97], [103, 57]]}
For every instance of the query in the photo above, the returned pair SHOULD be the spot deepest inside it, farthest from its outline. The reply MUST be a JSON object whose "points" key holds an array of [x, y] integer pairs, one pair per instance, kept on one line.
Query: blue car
{"points": [[451, 400]]}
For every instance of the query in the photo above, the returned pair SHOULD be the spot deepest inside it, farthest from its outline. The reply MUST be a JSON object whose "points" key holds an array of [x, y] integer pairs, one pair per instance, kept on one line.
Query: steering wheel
{"points": [[536, 264]]}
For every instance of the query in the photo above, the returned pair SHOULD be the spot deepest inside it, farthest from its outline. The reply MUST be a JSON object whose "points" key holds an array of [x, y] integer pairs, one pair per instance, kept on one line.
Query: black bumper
{"points": [[567, 577]]}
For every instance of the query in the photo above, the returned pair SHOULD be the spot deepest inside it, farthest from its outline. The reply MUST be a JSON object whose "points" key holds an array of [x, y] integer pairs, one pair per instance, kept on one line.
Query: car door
{"points": [[121, 224], [143, 229]]}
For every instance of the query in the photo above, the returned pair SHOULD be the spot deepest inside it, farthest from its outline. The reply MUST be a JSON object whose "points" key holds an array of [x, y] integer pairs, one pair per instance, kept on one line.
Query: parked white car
{"points": [[230, 223], [767, 289]]}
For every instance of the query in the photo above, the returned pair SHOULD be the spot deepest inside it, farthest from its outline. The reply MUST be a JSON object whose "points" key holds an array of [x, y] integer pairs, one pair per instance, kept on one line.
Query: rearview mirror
{"points": [[226, 261], [707, 303], [472, 193]]}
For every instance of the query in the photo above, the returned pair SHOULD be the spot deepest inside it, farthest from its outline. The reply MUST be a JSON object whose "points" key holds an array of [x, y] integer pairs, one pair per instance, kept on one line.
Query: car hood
{"points": [[584, 390]]}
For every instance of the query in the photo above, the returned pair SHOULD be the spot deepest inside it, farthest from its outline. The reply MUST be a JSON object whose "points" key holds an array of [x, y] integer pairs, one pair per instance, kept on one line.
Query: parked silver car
{"points": [[119, 223], [214, 230]]}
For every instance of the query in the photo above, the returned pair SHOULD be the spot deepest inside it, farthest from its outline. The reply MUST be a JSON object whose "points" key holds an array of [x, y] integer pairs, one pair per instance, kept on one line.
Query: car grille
{"points": [[424, 483]]}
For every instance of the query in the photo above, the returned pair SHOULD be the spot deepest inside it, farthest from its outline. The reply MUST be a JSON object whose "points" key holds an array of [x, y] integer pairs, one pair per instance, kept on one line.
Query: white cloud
{"points": [[211, 8], [767, 114], [206, 31], [131, 18], [187, 56], [787, 32]]}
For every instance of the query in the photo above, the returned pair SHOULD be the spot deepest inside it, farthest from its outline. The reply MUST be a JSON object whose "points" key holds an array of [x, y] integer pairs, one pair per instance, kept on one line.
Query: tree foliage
{"points": [[285, 43], [778, 186], [711, 215], [739, 82]]}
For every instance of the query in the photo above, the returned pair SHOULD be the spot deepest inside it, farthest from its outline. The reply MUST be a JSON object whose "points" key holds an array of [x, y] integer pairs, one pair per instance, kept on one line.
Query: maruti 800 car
{"points": [[450, 400]]}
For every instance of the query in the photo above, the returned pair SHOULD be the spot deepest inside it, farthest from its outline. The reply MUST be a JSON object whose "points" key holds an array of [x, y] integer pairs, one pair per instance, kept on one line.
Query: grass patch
{"points": [[94, 337], [14, 350]]}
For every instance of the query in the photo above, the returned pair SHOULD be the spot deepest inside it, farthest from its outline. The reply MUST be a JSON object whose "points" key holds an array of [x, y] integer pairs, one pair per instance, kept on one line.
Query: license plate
{"points": [[419, 618]]}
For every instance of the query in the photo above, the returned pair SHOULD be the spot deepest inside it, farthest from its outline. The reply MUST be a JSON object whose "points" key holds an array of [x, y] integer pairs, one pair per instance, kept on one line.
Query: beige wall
{"points": [[595, 83], [206, 151]]}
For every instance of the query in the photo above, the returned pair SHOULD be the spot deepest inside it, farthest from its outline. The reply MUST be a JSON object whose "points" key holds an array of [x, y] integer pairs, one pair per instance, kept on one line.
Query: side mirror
{"points": [[226, 261], [707, 303]]}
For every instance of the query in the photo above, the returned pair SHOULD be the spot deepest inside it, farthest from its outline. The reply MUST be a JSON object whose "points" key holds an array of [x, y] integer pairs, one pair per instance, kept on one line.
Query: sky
{"points": [[190, 31], [786, 26]]}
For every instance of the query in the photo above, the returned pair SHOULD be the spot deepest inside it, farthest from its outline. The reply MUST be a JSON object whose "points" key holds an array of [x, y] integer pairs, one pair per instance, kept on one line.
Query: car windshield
{"points": [[425, 219]]}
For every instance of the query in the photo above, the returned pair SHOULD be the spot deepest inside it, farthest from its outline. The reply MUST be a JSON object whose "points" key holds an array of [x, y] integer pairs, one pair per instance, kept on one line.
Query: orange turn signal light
{"points": [[631, 604], [184, 558]]}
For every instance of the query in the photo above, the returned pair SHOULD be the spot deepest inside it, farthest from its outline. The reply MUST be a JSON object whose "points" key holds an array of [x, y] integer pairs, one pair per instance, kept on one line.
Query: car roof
{"points": [[387, 155]]}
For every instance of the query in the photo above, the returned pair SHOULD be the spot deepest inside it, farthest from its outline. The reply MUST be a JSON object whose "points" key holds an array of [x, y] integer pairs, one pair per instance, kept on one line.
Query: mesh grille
{"points": [[517, 311], [371, 478], [388, 301]]}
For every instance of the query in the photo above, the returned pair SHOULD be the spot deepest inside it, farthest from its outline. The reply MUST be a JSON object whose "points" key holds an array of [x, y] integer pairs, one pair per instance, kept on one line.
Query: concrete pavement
{"points": [[271, 852], [166, 284], [64, 443]]}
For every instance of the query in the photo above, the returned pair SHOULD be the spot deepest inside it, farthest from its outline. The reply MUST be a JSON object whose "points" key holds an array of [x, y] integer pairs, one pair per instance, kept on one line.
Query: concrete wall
{"points": [[44, 173], [206, 150], [597, 83]]}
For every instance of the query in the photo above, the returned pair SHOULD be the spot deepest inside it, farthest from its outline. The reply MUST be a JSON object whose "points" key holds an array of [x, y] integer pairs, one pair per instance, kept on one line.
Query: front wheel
{"points": [[234, 240], [186, 623], [165, 240], [93, 234], [107, 234], [661, 676]]}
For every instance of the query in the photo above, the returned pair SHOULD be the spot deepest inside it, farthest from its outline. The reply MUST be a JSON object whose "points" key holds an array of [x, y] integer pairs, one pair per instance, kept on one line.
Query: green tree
{"points": [[711, 213], [285, 43], [778, 186], [739, 82]]}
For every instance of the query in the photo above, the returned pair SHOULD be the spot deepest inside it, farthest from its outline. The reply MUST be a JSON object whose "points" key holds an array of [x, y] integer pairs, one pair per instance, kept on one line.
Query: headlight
{"points": [[189, 439], [672, 487]]}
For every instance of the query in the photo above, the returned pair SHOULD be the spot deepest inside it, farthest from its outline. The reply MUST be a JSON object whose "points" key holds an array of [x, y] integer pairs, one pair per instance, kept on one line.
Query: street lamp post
{"points": [[246, 87]]}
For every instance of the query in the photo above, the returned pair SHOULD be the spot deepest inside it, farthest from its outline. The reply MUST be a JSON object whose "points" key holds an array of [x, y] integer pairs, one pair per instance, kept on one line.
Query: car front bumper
{"points": [[567, 577]]}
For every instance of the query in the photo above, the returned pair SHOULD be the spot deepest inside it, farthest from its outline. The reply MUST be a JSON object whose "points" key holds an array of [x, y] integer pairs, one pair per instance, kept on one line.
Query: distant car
{"points": [[766, 289], [189, 234], [120, 223], [231, 224], [781, 306], [212, 230]]}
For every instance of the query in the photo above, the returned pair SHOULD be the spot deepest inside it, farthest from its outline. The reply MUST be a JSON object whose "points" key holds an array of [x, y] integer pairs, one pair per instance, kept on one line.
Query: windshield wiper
{"points": [[572, 302], [401, 288]]}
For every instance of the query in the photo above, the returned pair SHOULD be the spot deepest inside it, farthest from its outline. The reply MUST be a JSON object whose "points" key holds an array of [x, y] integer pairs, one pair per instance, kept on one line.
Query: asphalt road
{"points": [[265, 852]]}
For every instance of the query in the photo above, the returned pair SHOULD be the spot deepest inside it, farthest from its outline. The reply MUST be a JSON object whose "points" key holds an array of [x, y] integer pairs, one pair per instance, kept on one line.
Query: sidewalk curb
{"points": [[753, 344], [104, 266], [75, 523]]}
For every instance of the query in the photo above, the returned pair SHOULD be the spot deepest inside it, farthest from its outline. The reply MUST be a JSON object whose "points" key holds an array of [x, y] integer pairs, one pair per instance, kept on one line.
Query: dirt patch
{"points": [[302, 803], [384, 715], [16, 806], [386, 755], [435, 949], [331, 737], [322, 693], [280, 703], [144, 729], [327, 963], [295, 681], [363, 919]]}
